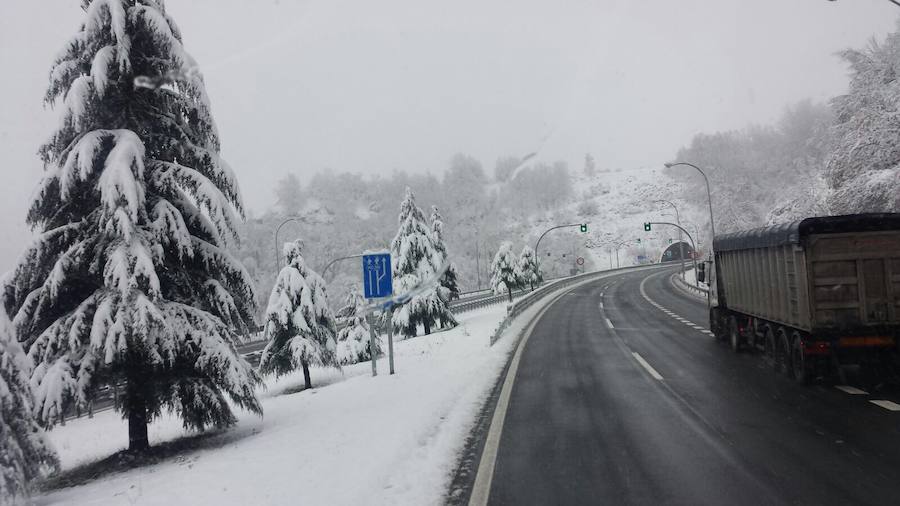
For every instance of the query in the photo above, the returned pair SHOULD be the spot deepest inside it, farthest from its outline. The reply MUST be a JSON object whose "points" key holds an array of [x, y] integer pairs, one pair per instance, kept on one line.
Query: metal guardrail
{"points": [[697, 291]]}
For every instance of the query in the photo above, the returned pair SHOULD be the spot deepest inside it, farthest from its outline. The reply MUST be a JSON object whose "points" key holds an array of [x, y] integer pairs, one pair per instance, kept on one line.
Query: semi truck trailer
{"points": [[813, 295]]}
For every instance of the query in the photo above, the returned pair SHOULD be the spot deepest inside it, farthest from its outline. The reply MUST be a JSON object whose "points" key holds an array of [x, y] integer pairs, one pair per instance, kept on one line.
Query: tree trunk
{"points": [[427, 326], [306, 374], [137, 418], [509, 292]]}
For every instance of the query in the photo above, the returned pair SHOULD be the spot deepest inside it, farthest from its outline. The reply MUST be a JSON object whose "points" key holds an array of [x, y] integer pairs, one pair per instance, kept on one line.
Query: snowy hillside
{"points": [[616, 204]]}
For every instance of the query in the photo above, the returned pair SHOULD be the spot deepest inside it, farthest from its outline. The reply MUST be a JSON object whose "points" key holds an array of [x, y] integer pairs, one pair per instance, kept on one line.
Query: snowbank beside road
{"points": [[358, 440]]}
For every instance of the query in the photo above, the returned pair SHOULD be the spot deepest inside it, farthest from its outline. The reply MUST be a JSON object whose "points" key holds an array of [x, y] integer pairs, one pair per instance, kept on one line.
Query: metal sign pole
{"points": [[390, 333], [371, 318]]}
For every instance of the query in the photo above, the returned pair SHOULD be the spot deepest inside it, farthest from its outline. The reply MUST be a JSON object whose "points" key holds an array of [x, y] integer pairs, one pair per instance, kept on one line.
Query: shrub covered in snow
{"points": [[528, 268], [353, 340], [24, 454], [128, 280], [504, 271], [300, 326]]}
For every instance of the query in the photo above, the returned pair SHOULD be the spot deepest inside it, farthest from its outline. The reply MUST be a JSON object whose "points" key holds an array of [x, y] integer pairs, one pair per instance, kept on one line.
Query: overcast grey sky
{"points": [[370, 86]]}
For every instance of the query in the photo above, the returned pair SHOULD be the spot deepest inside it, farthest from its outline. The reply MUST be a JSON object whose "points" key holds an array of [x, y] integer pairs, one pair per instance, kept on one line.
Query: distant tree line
{"points": [[818, 159]]}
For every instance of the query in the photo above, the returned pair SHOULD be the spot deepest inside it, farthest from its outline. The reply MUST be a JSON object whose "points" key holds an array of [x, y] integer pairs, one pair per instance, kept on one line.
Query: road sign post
{"points": [[377, 284], [390, 333], [371, 318]]}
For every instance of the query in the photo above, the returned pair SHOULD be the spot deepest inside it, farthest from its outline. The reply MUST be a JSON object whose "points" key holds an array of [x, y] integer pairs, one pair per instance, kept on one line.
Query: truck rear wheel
{"points": [[783, 353], [734, 335], [770, 347], [800, 363], [715, 324]]}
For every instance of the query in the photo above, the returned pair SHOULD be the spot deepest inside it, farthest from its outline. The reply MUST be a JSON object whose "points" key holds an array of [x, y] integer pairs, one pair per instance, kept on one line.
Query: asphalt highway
{"points": [[621, 396]]}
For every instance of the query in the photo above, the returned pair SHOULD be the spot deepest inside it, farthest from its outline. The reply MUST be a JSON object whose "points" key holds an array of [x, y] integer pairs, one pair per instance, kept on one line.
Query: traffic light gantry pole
{"points": [[583, 227]]}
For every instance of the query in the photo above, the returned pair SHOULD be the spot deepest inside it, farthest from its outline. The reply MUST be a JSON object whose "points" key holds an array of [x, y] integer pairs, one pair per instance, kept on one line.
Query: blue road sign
{"points": [[377, 282]]}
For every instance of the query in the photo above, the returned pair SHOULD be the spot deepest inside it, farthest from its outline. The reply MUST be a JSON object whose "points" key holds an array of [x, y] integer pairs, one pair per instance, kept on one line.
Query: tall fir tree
{"points": [[24, 453], [129, 281], [448, 289], [353, 341], [504, 271], [529, 268], [414, 261], [300, 326]]}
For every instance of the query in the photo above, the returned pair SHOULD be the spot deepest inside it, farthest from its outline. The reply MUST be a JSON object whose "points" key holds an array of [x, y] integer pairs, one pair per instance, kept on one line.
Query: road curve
{"points": [[622, 397]]}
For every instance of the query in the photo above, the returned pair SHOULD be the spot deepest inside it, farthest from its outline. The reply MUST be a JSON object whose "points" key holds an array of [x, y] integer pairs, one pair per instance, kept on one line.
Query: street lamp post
{"points": [[278, 229], [712, 223], [538, 243], [680, 237]]}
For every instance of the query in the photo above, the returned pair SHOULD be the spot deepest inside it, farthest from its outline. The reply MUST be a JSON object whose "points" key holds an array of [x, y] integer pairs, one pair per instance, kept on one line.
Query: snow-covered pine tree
{"points": [[24, 453], [448, 288], [300, 326], [529, 268], [128, 281], [504, 271], [353, 339], [413, 259]]}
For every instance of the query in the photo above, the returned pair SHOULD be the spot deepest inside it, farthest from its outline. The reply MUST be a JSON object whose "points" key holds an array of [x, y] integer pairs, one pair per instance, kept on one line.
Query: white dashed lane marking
{"points": [[609, 323], [645, 365], [888, 405], [851, 390]]}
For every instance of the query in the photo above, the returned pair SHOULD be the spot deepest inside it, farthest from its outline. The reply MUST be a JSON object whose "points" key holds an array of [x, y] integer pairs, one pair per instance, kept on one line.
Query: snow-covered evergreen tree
{"points": [[414, 260], [529, 268], [128, 280], [24, 453], [300, 326], [449, 287], [504, 271], [353, 339]]}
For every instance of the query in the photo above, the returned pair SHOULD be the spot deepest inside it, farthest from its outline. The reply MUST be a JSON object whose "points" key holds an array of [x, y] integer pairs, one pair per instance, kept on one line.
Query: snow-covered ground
{"points": [[353, 439]]}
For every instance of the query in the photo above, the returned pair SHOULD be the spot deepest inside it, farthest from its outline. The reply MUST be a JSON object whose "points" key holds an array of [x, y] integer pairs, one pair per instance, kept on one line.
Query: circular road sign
{"points": [[579, 261]]}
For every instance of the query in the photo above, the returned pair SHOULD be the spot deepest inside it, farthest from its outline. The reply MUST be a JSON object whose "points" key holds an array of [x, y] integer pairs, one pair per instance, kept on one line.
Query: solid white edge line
{"points": [[847, 389], [888, 405], [648, 367], [609, 323], [481, 488]]}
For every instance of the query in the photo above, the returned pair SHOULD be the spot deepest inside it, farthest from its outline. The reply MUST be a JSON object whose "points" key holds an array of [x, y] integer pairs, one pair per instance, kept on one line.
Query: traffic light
{"points": [[646, 227], [584, 227], [639, 240], [670, 241]]}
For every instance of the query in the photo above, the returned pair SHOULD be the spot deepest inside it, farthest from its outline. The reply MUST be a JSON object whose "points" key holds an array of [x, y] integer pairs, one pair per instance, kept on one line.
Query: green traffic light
{"points": [[584, 227], [646, 227]]}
